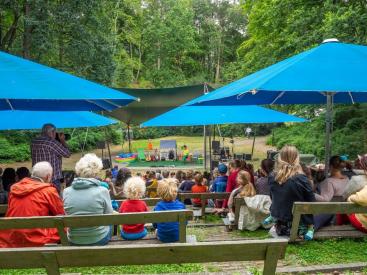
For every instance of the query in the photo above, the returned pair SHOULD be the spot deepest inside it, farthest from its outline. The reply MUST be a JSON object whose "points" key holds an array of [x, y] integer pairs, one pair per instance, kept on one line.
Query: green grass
{"points": [[327, 252], [258, 234], [147, 269]]}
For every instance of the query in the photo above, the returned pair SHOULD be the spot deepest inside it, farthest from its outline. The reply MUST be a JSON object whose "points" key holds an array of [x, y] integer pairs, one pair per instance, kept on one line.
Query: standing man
{"points": [[47, 148]]}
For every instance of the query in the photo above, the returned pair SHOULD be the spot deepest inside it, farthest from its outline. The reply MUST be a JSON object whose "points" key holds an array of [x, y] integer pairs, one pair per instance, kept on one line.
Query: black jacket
{"points": [[296, 188]]}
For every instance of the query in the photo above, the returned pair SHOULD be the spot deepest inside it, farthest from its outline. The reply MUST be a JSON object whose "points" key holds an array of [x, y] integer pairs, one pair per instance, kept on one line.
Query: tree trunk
{"points": [[139, 66], [217, 69], [7, 40], [159, 56], [27, 31]]}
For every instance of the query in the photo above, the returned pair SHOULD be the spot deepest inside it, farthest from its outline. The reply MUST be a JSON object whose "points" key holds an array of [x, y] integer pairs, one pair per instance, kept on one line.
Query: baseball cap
{"points": [[222, 168]]}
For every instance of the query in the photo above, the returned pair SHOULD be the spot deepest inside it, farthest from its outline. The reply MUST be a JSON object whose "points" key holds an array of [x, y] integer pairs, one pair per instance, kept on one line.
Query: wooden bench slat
{"points": [[339, 234], [163, 254], [93, 220], [332, 228], [206, 196], [300, 208]]}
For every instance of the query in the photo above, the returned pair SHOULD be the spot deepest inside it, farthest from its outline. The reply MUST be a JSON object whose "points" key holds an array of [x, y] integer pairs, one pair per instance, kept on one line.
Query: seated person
{"points": [[262, 183], [117, 189], [198, 187], [188, 183], [9, 177], [331, 187], [245, 187], [288, 186], [114, 172], [256, 208], [30, 197], [220, 183], [3, 195], [359, 221], [134, 190], [358, 181], [22, 172], [167, 190], [86, 196], [151, 184]]}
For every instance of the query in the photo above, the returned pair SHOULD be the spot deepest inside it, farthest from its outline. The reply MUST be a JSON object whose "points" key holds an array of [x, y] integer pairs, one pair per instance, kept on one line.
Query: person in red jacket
{"points": [[33, 196], [234, 168]]}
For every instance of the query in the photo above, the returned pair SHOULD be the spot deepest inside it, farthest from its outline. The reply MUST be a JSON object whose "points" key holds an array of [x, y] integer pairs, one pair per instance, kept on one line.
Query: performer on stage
{"points": [[185, 153]]}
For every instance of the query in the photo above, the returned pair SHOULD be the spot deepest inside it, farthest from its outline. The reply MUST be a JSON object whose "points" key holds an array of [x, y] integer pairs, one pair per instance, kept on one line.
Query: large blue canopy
{"points": [[302, 79], [26, 85], [211, 115], [28, 120]]}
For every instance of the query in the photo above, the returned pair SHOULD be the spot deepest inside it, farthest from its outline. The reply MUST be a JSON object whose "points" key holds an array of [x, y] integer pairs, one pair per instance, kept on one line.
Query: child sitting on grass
{"points": [[167, 190], [134, 190]]}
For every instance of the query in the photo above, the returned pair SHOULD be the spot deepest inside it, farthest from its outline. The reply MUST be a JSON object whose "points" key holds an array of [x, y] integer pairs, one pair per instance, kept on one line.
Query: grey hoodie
{"points": [[85, 196]]}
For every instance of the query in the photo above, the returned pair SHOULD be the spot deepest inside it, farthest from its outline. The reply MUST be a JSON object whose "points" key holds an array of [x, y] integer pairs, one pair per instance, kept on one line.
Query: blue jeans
{"points": [[103, 241], [134, 236]]}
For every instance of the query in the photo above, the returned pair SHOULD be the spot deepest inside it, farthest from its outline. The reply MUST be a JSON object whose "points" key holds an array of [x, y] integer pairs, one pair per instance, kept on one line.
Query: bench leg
{"points": [[50, 263], [271, 260], [182, 228]]}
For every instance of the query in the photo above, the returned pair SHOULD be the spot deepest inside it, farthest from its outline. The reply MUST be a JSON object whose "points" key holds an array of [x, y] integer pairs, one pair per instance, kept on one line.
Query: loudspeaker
{"points": [[106, 163], [247, 156], [215, 164], [215, 144], [238, 156], [101, 145]]}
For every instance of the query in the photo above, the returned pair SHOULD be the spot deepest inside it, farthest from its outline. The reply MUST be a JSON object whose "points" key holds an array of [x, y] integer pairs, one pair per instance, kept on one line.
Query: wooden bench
{"points": [[315, 208], [148, 201], [238, 202], [203, 197], [53, 258], [62, 222]]}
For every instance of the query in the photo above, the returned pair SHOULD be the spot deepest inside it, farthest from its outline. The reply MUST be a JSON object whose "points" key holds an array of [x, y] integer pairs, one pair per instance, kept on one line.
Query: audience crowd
{"points": [[269, 194]]}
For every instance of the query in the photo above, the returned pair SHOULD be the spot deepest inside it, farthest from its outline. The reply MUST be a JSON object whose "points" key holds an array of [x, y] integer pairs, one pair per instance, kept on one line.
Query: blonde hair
{"points": [[134, 188], [248, 189], [88, 166], [199, 178], [287, 164], [167, 189]]}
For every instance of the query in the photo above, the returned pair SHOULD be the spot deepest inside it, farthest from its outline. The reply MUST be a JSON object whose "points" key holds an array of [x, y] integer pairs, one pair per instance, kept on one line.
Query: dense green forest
{"points": [[162, 43]]}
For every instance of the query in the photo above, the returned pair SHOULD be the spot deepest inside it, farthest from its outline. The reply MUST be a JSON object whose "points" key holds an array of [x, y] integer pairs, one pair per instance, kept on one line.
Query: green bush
{"points": [[348, 137]]}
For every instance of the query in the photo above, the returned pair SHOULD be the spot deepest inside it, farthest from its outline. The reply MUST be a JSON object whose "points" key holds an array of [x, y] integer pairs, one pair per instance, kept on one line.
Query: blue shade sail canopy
{"points": [[333, 67], [26, 85], [29, 120], [211, 115]]}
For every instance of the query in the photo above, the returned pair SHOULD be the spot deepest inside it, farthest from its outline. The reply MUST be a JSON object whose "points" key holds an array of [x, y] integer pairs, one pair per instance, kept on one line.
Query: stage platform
{"points": [[164, 164]]}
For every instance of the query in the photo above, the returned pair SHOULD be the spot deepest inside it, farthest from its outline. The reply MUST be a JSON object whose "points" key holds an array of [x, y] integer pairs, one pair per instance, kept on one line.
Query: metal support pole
{"points": [[205, 148], [108, 146], [328, 117], [210, 149], [129, 137], [253, 145]]}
